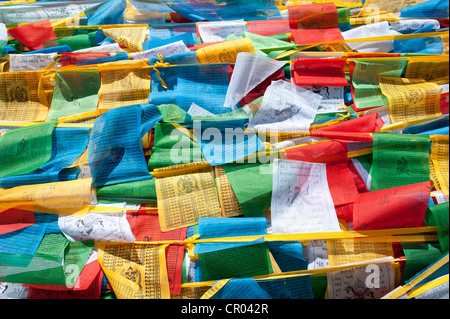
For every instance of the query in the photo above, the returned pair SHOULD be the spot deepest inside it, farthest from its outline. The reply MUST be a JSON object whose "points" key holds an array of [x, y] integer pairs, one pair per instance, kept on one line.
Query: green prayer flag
{"points": [[419, 256], [172, 147], [399, 160], [108, 294], [144, 189], [172, 113], [238, 114], [52, 247], [366, 161], [319, 284], [75, 42], [437, 215], [245, 261], [25, 149], [48, 266], [252, 184], [264, 45], [367, 91], [2, 46], [76, 91], [280, 36]]}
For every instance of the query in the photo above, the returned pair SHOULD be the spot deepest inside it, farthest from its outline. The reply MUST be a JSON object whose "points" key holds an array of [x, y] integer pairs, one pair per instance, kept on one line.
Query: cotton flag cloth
{"points": [[168, 149]]}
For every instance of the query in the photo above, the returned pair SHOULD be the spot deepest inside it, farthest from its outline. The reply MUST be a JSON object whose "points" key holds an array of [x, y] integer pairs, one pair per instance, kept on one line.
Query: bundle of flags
{"points": [[171, 149]]}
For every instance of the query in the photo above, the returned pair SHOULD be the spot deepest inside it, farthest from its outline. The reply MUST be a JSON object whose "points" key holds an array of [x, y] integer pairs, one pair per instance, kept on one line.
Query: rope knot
{"points": [[160, 64]]}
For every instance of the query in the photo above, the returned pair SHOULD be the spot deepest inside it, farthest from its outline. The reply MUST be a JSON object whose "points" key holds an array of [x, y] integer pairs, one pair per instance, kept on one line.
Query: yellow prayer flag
{"points": [[123, 84], [411, 99], [183, 199], [228, 201], [445, 44], [341, 252], [180, 169], [225, 52], [130, 37], [23, 96], [4, 63], [427, 68], [389, 17], [439, 158], [388, 6], [136, 271], [60, 198]]}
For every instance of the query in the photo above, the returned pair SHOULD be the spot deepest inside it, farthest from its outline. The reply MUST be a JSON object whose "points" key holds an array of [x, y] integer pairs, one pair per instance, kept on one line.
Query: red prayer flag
{"points": [[314, 23], [329, 152], [34, 35], [399, 207], [93, 291], [343, 190], [178, 18], [146, 227], [358, 129], [341, 184], [445, 103], [268, 27], [315, 71], [443, 22], [70, 58], [15, 219]]}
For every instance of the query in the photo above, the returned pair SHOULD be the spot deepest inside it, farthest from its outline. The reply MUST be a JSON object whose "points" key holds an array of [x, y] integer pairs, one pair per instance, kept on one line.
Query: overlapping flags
{"points": [[159, 149]]}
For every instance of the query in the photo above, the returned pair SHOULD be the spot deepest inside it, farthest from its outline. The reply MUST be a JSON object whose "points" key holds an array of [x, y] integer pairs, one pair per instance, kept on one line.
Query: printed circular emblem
{"points": [[414, 96], [226, 56], [18, 93], [187, 184], [124, 79], [133, 275]]}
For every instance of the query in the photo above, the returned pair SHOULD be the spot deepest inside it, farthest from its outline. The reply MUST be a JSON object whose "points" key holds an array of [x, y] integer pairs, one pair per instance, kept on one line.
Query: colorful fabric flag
{"points": [[34, 35], [397, 207], [171, 149], [399, 159], [326, 72], [116, 155], [314, 23]]}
